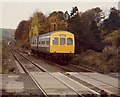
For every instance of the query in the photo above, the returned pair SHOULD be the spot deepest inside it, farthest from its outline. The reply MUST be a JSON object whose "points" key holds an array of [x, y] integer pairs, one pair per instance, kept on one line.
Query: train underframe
{"points": [[54, 57]]}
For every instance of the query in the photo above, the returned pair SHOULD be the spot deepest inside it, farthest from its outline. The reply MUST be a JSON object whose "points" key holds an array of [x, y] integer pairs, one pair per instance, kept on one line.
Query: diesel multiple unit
{"points": [[57, 43]]}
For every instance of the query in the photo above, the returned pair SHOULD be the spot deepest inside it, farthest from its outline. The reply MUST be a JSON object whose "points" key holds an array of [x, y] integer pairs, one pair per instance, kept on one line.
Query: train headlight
{"points": [[54, 51]]}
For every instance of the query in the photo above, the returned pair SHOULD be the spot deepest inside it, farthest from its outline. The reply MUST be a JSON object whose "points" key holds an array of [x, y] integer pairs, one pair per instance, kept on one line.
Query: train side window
{"points": [[47, 42], [35, 42], [69, 41], [62, 41], [39, 42], [43, 42], [32, 42], [55, 41]]}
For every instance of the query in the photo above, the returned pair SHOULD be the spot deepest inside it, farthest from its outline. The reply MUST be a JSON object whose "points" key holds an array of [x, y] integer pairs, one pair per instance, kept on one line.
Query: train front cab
{"points": [[62, 45], [62, 42]]}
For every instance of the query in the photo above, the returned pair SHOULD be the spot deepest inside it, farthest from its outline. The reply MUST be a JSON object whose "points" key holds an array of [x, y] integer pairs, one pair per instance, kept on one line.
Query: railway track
{"points": [[75, 92], [32, 77], [93, 90], [53, 65], [66, 67], [74, 68]]}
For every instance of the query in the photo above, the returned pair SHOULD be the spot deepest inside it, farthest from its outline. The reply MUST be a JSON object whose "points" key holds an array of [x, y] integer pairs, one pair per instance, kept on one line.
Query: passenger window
{"points": [[69, 41], [55, 41], [43, 42], [47, 42], [35, 42], [39, 42], [62, 41]]}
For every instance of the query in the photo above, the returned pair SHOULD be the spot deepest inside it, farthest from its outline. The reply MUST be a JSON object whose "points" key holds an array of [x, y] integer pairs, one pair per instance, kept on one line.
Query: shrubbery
{"points": [[101, 61], [26, 45], [4, 56], [4, 50]]}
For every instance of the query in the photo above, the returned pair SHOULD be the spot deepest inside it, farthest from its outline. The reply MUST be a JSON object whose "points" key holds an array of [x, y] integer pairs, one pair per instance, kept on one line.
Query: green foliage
{"points": [[39, 25], [35, 20], [34, 25]]}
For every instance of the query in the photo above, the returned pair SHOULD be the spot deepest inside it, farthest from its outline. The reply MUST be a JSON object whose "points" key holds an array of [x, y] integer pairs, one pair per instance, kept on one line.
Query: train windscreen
{"points": [[62, 41], [69, 41]]}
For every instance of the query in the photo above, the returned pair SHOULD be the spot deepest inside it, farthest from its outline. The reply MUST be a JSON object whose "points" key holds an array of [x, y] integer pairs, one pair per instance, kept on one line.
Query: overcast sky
{"points": [[14, 12]]}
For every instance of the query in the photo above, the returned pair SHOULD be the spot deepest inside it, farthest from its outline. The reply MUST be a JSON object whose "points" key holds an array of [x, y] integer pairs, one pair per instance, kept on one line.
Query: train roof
{"points": [[48, 34]]}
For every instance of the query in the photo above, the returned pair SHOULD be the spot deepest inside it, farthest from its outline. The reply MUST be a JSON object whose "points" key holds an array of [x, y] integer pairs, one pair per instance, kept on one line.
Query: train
{"points": [[56, 45]]}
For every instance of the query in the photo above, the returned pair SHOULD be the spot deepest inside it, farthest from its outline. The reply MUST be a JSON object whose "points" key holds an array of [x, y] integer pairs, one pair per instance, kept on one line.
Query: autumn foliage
{"points": [[90, 27]]}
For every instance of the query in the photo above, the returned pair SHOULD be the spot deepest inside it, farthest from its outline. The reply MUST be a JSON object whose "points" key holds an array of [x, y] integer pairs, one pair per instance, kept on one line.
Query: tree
{"points": [[53, 22], [39, 24], [112, 22], [66, 15], [58, 14], [22, 31], [57, 21], [86, 30], [34, 28], [46, 26], [115, 38], [62, 25], [74, 11], [75, 28]]}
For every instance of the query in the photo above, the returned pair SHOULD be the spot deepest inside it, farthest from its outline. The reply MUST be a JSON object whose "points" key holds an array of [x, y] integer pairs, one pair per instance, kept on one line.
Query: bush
{"points": [[101, 61], [23, 43], [115, 37], [4, 50], [26, 45], [106, 56]]}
